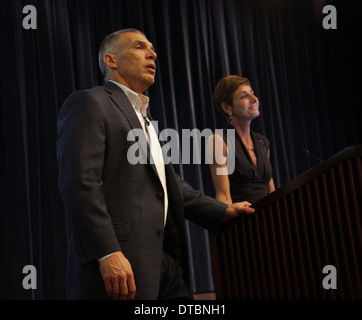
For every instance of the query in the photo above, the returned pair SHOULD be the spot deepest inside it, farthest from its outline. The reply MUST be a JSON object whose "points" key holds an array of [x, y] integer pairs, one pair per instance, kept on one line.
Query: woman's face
{"points": [[245, 103]]}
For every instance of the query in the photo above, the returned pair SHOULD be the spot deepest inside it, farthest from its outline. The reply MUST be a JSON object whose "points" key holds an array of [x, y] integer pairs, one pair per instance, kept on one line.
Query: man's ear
{"points": [[110, 60]]}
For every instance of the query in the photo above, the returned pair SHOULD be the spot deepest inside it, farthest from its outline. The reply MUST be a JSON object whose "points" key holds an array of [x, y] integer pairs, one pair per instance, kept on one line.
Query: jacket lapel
{"points": [[120, 99]]}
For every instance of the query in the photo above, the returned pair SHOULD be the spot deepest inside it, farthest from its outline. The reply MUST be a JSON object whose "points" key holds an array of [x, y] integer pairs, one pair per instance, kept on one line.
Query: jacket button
{"points": [[79, 249], [160, 233], [159, 196]]}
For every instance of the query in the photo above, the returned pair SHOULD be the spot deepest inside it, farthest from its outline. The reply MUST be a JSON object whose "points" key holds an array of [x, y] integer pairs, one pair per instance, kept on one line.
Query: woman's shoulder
{"points": [[263, 140], [215, 137]]}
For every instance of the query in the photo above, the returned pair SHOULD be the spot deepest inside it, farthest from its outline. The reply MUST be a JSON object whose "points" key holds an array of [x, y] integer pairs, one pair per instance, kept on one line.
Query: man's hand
{"points": [[118, 277], [237, 208]]}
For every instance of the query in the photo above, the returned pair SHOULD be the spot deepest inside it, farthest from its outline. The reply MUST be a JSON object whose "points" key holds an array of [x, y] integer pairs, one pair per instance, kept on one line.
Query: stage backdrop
{"points": [[308, 80]]}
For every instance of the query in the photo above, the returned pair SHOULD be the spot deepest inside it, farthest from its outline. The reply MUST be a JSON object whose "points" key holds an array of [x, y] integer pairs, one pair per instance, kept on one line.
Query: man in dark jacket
{"points": [[126, 220]]}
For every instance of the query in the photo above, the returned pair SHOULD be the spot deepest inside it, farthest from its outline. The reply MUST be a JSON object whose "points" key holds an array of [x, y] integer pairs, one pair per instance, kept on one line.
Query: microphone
{"points": [[307, 153], [146, 120]]}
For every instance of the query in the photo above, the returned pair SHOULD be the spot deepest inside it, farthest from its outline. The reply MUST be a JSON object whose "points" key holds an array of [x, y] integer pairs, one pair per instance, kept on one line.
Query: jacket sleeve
{"points": [[80, 155], [203, 210]]}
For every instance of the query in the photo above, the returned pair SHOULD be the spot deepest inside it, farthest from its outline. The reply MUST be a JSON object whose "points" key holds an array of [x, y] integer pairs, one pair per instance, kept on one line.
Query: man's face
{"points": [[136, 65]]}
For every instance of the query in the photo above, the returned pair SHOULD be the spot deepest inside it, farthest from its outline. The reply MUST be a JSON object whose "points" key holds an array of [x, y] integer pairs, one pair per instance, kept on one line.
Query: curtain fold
{"points": [[307, 79]]}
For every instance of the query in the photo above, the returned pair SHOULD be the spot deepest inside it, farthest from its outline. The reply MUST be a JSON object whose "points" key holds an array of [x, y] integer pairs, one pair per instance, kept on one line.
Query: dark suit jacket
{"points": [[112, 205]]}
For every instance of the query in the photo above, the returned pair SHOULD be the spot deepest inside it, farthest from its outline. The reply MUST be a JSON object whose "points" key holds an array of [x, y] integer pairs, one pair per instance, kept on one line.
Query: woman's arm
{"points": [[220, 181], [271, 185], [271, 181]]}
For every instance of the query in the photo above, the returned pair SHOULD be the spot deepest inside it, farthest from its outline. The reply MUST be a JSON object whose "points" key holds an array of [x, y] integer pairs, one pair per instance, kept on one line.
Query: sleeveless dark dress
{"points": [[248, 182]]}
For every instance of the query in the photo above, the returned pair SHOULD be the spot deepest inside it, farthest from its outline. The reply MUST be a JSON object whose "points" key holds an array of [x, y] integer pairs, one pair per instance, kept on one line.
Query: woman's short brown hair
{"points": [[225, 89]]}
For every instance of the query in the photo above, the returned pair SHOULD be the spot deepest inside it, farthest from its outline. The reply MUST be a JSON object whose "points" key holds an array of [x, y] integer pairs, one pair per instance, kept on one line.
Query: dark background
{"points": [[308, 81]]}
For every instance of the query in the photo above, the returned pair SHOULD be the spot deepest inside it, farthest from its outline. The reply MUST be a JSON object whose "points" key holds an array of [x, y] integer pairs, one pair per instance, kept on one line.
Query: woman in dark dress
{"points": [[251, 179]]}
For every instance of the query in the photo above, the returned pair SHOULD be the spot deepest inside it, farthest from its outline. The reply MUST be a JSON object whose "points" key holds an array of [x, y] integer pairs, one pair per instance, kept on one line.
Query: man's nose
{"points": [[151, 54]]}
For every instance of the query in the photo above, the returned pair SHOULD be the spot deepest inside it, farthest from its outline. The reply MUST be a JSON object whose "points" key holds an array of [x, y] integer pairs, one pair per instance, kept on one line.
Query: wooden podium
{"points": [[281, 251]]}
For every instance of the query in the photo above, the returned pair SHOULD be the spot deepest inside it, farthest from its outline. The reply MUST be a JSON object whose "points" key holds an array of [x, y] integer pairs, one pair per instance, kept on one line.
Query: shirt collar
{"points": [[139, 104]]}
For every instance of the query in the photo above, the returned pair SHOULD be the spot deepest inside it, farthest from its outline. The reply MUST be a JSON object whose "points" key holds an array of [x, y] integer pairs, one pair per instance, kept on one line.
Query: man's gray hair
{"points": [[111, 44]]}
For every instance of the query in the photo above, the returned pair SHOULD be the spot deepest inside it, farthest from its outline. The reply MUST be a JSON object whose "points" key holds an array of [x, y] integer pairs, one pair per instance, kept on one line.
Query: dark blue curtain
{"points": [[307, 79]]}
